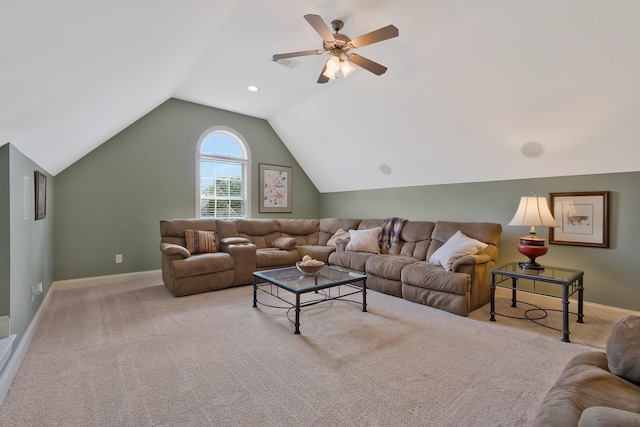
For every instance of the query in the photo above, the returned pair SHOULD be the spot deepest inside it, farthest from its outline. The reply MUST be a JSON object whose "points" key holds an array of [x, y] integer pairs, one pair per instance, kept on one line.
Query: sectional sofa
{"points": [[442, 264]]}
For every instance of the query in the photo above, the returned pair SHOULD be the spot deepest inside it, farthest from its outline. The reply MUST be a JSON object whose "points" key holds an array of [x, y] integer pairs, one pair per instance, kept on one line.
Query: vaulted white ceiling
{"points": [[469, 82]]}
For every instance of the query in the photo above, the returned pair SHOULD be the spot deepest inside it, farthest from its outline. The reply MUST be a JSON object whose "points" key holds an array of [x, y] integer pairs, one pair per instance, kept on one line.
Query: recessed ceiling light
{"points": [[385, 169], [253, 88], [532, 149]]}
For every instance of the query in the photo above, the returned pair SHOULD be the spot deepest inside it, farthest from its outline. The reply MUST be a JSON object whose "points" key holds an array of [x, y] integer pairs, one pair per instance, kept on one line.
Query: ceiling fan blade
{"points": [[322, 78], [320, 26], [301, 53], [376, 36], [367, 64]]}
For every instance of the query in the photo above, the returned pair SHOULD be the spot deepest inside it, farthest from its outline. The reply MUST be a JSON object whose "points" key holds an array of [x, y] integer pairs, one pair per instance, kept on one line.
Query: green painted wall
{"points": [[111, 201], [30, 242], [611, 275]]}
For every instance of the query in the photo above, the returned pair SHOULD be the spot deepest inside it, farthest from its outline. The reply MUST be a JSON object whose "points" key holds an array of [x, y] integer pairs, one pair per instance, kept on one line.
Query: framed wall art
{"points": [[583, 219], [41, 195], [275, 188]]}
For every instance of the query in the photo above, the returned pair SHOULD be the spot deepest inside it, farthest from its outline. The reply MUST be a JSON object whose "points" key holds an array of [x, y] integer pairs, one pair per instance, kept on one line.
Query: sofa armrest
{"points": [[470, 259], [233, 240], [285, 243], [173, 249], [244, 261]]}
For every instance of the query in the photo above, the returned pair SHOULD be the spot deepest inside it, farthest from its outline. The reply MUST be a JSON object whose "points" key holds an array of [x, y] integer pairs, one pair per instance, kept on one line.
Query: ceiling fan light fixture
{"points": [[329, 74], [346, 68], [333, 64], [339, 45]]}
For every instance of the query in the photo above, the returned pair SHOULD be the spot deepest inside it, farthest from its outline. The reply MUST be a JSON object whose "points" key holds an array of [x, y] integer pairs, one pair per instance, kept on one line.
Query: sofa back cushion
{"points": [[173, 231], [623, 346], [486, 232], [260, 232], [369, 223], [329, 227], [227, 228], [415, 239], [305, 231]]}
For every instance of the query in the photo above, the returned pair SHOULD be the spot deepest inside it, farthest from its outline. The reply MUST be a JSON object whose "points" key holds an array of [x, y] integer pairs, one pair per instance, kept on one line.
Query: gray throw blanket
{"points": [[390, 235]]}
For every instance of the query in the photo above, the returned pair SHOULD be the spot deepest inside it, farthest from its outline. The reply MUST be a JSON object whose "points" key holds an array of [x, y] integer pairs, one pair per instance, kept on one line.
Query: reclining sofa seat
{"points": [[384, 269], [404, 270], [467, 286], [184, 274]]}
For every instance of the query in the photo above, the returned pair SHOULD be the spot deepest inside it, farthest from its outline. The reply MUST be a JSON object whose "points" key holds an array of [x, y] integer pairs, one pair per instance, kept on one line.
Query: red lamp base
{"points": [[532, 247]]}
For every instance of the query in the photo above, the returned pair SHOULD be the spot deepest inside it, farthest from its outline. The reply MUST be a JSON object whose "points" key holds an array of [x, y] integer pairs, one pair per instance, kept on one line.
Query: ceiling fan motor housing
{"points": [[337, 46]]}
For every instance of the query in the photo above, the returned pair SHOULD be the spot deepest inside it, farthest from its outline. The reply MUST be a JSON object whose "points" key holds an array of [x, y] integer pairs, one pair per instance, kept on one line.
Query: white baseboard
{"points": [[112, 279], [6, 344], [16, 358], [603, 312]]}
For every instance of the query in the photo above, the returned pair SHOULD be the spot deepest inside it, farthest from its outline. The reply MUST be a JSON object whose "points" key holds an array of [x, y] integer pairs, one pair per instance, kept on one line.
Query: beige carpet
{"points": [[133, 355]]}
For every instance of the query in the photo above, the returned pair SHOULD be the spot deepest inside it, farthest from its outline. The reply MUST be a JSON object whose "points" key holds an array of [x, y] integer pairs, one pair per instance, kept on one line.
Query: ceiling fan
{"points": [[339, 47]]}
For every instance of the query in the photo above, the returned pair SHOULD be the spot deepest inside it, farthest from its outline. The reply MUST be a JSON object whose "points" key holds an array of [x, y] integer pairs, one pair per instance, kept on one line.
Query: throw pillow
{"points": [[200, 241], [364, 240], [457, 246], [622, 348], [340, 234]]}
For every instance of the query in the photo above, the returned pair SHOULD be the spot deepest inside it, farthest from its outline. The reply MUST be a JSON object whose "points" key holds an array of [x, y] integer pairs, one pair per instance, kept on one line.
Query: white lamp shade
{"points": [[329, 74], [346, 68], [333, 64], [533, 211]]}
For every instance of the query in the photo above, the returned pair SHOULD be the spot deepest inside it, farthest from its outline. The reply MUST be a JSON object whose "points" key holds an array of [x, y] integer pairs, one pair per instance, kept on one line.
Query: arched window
{"points": [[222, 174]]}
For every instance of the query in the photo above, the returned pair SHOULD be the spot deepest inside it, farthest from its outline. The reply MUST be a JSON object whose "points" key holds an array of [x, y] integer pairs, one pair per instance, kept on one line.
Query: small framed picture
{"points": [[275, 188], [583, 219], [41, 195]]}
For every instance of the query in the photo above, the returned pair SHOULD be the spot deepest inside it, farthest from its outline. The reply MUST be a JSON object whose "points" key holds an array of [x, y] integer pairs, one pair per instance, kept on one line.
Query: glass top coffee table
{"points": [[292, 280]]}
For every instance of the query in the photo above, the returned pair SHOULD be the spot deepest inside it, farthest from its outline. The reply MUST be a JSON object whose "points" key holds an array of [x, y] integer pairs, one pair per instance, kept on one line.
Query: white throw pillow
{"points": [[457, 246], [364, 240], [340, 234]]}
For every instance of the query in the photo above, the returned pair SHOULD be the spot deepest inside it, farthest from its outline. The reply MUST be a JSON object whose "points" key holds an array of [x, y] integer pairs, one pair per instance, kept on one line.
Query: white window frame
{"points": [[242, 142]]}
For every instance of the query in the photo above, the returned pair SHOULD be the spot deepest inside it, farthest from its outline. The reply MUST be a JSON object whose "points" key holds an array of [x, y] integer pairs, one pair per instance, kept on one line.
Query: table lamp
{"points": [[533, 211]]}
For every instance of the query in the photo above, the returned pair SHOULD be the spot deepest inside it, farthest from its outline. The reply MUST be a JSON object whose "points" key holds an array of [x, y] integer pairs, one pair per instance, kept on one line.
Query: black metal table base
{"points": [[571, 282], [298, 305], [544, 315]]}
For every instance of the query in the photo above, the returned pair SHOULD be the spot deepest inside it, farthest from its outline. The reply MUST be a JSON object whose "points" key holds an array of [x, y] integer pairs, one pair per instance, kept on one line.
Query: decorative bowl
{"points": [[309, 269]]}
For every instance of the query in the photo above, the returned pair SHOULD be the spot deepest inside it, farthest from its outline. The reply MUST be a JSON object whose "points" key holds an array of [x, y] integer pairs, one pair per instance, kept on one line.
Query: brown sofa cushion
{"points": [[426, 275], [623, 348], [200, 242], [201, 264]]}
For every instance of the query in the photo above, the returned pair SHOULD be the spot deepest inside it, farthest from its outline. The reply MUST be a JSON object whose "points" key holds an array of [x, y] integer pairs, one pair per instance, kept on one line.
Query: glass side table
{"points": [[572, 281]]}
